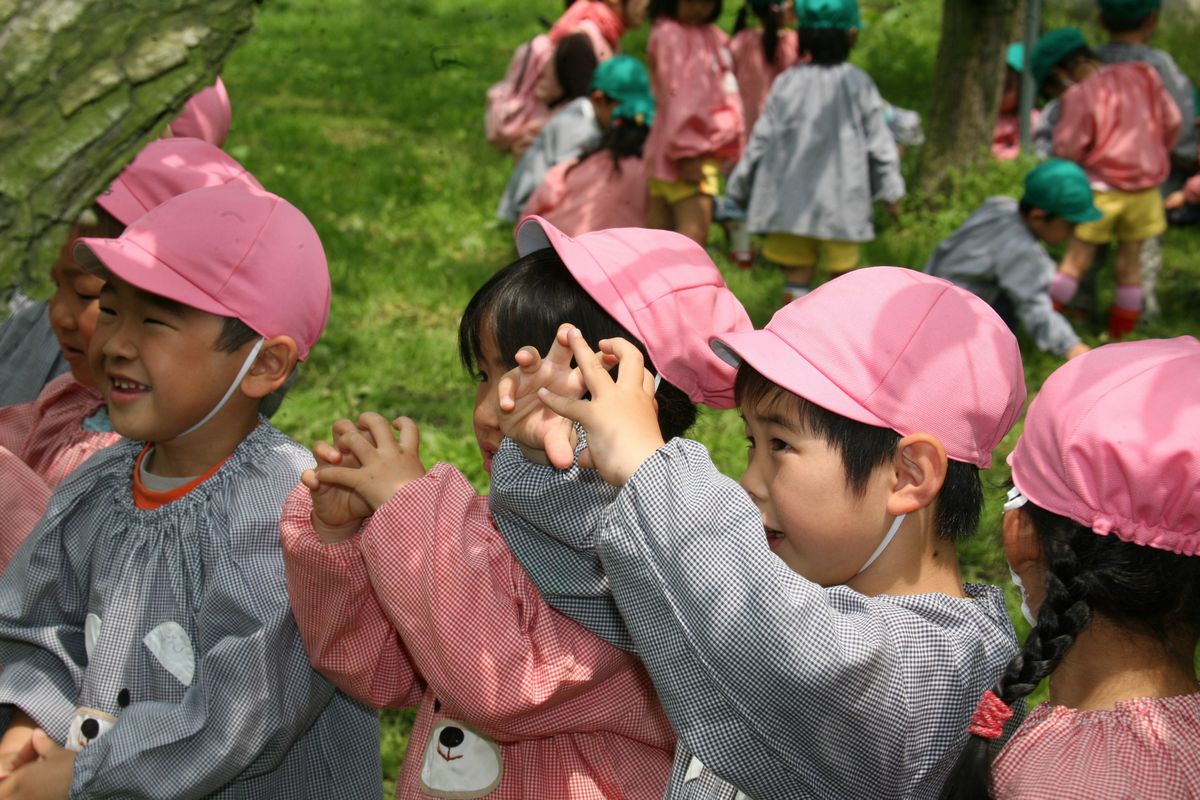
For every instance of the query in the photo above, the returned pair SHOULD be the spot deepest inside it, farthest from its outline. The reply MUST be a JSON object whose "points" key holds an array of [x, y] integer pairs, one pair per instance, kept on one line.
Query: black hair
{"points": [[1067, 63], [574, 63], [1141, 588], [1025, 208], [624, 138], [826, 47], [1124, 25], [234, 334], [670, 8], [525, 303], [864, 448], [770, 24]]}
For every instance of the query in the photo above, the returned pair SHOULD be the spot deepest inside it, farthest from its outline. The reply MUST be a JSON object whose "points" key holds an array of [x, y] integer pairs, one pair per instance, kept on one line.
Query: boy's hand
{"points": [[46, 778], [544, 436], [1174, 200], [363, 469], [621, 419], [16, 747]]}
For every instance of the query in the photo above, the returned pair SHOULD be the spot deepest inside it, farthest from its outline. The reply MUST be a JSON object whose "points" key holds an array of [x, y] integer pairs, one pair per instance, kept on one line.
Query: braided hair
{"points": [[1141, 588], [770, 19]]}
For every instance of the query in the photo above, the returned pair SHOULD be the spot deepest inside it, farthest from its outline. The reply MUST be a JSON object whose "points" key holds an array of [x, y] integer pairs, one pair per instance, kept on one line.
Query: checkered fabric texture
{"points": [[428, 604], [255, 721], [23, 498], [778, 686]]}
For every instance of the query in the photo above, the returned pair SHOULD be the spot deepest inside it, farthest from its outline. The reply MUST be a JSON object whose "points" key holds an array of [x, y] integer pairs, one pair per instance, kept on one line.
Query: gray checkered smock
{"points": [[782, 688], [252, 719]]}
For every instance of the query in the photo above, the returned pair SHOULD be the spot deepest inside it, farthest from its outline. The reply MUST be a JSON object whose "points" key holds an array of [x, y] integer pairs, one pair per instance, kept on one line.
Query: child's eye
{"points": [[106, 311], [86, 298], [779, 446]]}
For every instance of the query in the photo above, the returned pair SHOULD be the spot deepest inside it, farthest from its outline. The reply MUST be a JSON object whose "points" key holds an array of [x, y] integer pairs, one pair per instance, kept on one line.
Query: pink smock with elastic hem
{"points": [[583, 196]]}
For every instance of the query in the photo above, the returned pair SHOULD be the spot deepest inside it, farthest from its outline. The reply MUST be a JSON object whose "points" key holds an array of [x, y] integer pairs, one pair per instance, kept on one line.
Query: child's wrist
{"points": [[335, 534]]}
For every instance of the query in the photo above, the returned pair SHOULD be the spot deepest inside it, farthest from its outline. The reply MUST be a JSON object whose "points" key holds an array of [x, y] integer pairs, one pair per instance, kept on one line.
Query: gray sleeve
{"points": [[1179, 86], [1024, 276], [781, 687], [741, 180], [29, 355], [556, 549], [526, 177], [887, 184], [1043, 132]]}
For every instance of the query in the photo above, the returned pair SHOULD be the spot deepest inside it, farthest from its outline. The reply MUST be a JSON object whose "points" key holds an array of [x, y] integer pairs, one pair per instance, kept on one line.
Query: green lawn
{"points": [[368, 115]]}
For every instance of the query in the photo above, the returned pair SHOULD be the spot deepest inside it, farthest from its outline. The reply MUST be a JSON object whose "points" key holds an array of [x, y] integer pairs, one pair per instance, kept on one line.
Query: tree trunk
{"points": [[966, 87], [83, 85]]}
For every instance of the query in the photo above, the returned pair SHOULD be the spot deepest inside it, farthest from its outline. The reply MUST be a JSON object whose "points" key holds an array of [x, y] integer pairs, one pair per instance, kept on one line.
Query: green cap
{"points": [[1053, 48], [831, 14], [639, 109], [624, 79], [1128, 10], [1014, 57], [1061, 188]]}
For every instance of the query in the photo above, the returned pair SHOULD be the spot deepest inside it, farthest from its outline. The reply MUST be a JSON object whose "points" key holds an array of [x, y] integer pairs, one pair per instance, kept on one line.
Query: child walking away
{"points": [[405, 592], [1006, 136], [807, 631], [144, 624], [698, 120], [997, 253], [1119, 124], [1102, 530], [575, 127], [604, 188], [68, 421], [760, 55], [819, 155]]}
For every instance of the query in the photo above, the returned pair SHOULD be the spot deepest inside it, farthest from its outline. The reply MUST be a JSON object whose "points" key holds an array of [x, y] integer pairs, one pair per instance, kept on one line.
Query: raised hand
{"points": [[360, 471], [621, 419]]}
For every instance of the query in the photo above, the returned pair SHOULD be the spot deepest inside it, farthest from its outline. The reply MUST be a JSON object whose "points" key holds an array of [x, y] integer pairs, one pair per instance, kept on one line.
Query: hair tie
{"points": [[990, 715]]}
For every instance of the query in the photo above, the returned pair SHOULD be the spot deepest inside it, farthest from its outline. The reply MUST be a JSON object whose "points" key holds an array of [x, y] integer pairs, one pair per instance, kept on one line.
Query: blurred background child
{"points": [[1102, 530], [605, 187], [819, 155], [761, 53], [698, 118], [1119, 124], [1006, 136], [997, 253]]}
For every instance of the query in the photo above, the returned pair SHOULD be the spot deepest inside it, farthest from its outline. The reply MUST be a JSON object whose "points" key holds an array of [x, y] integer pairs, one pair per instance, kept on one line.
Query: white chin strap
{"points": [[1014, 499], [887, 539], [246, 365]]}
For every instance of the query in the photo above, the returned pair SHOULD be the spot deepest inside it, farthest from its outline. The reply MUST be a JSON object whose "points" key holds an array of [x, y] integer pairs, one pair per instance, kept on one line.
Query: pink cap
{"points": [[166, 168], [1112, 441], [898, 349], [205, 115], [662, 288], [233, 250]]}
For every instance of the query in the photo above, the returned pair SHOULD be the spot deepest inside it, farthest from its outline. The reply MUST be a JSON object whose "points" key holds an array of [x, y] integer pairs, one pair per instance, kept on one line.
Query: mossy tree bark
{"points": [[968, 78], [83, 85]]}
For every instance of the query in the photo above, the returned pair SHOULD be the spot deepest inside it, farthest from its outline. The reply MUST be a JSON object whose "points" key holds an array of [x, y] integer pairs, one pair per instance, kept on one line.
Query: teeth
{"points": [[130, 386]]}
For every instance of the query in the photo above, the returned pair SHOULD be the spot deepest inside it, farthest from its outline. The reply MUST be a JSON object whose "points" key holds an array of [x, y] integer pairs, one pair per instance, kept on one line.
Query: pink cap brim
{"points": [[784, 366], [144, 271], [121, 203]]}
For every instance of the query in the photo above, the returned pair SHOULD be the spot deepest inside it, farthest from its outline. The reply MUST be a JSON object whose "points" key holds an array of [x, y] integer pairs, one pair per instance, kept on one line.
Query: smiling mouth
{"points": [[127, 385]]}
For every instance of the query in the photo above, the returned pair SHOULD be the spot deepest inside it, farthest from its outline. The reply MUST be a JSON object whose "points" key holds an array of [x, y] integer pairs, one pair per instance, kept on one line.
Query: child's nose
{"points": [[60, 315]]}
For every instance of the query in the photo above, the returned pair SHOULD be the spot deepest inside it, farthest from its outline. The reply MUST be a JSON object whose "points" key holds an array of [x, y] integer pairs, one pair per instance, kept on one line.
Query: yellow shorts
{"points": [[1132, 216], [788, 250], [674, 191]]}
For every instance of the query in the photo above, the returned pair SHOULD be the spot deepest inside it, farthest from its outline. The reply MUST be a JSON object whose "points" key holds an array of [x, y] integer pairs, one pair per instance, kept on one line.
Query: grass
{"points": [[368, 115]]}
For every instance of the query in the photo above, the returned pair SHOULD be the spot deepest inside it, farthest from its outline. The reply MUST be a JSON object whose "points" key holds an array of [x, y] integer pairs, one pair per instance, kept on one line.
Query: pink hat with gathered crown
{"points": [[166, 168], [206, 115], [897, 349], [234, 250], [1112, 441], [661, 287]]}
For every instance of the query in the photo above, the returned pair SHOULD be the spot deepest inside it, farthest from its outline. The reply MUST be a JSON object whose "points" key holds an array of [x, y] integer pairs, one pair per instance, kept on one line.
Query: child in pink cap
{"points": [[206, 115], [1102, 531], [405, 591], [807, 631], [761, 54], [68, 421], [698, 125], [148, 645]]}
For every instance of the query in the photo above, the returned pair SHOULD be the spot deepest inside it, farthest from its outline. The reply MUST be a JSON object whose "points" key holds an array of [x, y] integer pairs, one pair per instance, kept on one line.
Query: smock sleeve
{"points": [[741, 181], [475, 623], [348, 636], [780, 686], [549, 196], [1172, 117], [1023, 274], [887, 184], [1075, 131], [253, 692], [23, 499]]}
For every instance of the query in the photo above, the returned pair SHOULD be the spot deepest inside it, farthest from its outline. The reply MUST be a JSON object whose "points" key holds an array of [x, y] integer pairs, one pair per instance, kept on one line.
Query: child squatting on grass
{"points": [[807, 631], [148, 645], [1102, 529], [44, 441], [406, 593]]}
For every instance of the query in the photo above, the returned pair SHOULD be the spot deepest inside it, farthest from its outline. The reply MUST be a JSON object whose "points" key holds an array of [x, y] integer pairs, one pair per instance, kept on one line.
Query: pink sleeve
{"points": [[24, 497], [348, 638], [547, 196], [1075, 129], [16, 425], [481, 634]]}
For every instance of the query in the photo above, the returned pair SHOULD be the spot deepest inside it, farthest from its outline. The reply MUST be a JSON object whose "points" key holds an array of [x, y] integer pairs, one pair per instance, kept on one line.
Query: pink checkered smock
{"points": [[754, 74], [426, 605], [1148, 747]]}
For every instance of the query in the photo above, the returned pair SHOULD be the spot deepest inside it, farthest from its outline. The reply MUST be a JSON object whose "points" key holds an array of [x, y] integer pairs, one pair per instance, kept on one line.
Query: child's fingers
{"points": [[585, 459], [567, 407], [410, 435], [340, 476], [325, 453], [560, 350], [594, 375], [632, 366], [43, 745], [355, 443], [528, 359], [310, 480], [376, 427]]}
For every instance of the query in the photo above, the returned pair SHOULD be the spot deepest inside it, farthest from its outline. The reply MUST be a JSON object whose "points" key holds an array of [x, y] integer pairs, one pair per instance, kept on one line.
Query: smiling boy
{"points": [[145, 624]]}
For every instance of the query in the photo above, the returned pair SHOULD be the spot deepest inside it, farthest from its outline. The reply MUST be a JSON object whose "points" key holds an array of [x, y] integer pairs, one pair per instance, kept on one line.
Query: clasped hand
{"points": [[35, 768], [540, 398], [363, 468]]}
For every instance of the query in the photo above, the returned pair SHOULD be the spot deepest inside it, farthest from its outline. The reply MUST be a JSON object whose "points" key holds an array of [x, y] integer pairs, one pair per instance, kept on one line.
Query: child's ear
{"points": [[1021, 546], [920, 466], [274, 364]]}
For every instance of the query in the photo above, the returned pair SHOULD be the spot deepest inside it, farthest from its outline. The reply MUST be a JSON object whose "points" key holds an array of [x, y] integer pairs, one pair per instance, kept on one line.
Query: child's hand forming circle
{"points": [[363, 469], [47, 776], [621, 419]]}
